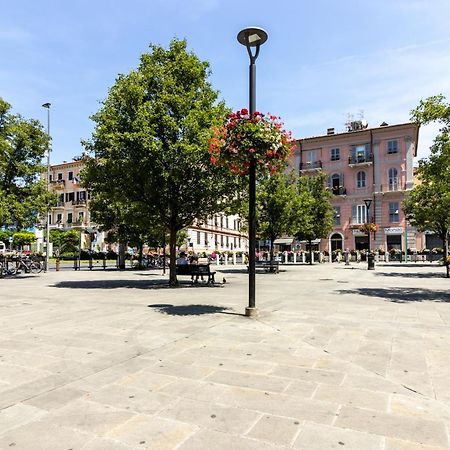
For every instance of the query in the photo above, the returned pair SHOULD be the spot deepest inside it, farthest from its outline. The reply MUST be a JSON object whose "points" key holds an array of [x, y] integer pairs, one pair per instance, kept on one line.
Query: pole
{"points": [[251, 310], [47, 238]]}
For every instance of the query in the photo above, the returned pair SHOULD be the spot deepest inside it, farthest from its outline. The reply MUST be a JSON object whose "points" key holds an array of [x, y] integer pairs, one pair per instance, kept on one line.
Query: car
{"points": [[2, 248]]}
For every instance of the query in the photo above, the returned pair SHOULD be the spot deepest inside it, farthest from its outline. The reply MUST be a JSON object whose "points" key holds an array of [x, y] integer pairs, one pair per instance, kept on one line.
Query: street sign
{"points": [[10, 239]]}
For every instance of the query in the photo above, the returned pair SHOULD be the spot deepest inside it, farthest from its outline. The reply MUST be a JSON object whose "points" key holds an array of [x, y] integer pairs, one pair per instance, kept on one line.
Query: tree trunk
{"points": [[140, 254], [173, 281], [121, 262], [310, 252], [446, 261], [271, 252]]}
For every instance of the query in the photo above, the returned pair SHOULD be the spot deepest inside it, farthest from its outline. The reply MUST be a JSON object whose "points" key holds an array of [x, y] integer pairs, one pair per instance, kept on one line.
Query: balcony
{"points": [[58, 184], [311, 165], [59, 204], [360, 160], [81, 202], [339, 190], [390, 187]]}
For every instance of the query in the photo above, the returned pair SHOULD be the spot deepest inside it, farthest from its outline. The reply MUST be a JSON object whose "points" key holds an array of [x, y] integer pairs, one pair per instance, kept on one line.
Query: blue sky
{"points": [[324, 59]]}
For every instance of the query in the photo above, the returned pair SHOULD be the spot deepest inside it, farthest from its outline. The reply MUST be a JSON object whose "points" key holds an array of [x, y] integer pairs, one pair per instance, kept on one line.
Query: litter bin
{"points": [[370, 261]]}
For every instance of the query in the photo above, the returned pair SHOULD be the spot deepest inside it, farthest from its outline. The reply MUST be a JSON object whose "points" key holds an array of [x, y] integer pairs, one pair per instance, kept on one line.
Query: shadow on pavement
{"points": [[191, 310], [401, 295], [132, 284], [411, 274]]}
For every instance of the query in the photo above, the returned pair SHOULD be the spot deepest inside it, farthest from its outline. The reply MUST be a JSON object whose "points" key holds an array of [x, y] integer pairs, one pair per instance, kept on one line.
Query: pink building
{"points": [[365, 165]]}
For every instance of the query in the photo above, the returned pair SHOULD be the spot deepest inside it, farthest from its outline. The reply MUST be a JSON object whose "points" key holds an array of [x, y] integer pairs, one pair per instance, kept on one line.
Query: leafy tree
{"points": [[22, 238], [428, 205], [23, 195], [65, 241], [5, 235], [151, 142], [315, 217], [277, 206]]}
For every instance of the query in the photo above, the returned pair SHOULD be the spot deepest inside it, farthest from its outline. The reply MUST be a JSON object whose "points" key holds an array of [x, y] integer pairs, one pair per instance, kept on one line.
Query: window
{"points": [[392, 147], [70, 197], [239, 242], [393, 212], [228, 241], [221, 240], [393, 179], [361, 179], [221, 221], [226, 222], [70, 176], [337, 216], [60, 176], [234, 240], [50, 177], [198, 237], [359, 214], [59, 218], [335, 183], [335, 154], [49, 219], [61, 198], [206, 239], [80, 216], [69, 217], [311, 156]]}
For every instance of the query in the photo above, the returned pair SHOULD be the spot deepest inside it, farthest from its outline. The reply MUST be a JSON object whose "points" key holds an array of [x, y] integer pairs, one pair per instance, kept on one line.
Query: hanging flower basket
{"points": [[368, 228], [245, 137]]}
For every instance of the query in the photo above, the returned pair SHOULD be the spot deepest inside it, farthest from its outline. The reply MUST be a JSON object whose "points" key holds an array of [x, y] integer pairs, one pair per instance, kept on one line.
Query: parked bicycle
{"points": [[16, 265]]}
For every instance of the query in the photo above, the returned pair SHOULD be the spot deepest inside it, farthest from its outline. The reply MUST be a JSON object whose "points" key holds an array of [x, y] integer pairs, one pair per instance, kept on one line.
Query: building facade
{"points": [[369, 170], [219, 233]]}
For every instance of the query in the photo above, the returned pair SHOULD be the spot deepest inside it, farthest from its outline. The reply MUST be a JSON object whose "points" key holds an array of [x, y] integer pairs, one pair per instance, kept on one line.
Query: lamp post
{"points": [[252, 37], [370, 257], [47, 237]]}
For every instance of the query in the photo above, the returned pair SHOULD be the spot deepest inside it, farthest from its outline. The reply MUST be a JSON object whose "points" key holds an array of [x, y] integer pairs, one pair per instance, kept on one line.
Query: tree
{"points": [[277, 203], [22, 238], [65, 241], [428, 205], [23, 195], [151, 142], [315, 216]]}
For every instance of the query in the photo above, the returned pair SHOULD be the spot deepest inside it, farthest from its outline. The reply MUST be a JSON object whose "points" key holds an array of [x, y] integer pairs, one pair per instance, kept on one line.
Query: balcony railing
{"points": [[360, 159], [339, 190], [81, 202], [60, 204], [391, 187], [58, 184], [311, 165]]}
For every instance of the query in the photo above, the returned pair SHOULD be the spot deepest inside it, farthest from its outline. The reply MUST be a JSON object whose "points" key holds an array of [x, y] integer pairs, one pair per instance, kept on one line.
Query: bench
{"points": [[267, 266], [196, 270]]}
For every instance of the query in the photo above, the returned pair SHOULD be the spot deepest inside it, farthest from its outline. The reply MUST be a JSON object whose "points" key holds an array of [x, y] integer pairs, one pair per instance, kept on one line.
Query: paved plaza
{"points": [[339, 358]]}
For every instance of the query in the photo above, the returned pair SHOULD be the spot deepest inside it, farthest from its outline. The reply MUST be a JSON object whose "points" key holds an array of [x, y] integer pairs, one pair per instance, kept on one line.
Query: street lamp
{"points": [[252, 37], [370, 257], [47, 106]]}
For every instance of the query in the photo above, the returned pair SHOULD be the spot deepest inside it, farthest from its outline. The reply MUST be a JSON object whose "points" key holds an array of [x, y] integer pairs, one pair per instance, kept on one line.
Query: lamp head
{"points": [[368, 202], [252, 36], [46, 105]]}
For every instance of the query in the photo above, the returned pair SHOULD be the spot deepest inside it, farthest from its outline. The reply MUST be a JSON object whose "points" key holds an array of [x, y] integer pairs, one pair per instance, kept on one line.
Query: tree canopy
{"points": [[315, 217], [277, 207], [427, 206], [23, 194], [151, 142]]}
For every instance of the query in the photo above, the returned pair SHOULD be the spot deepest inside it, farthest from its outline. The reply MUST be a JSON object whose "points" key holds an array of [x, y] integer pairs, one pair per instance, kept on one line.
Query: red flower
{"points": [[244, 111], [213, 160]]}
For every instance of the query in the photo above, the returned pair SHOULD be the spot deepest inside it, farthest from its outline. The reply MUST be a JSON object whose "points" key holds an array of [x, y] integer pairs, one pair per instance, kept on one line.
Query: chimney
{"points": [[330, 131]]}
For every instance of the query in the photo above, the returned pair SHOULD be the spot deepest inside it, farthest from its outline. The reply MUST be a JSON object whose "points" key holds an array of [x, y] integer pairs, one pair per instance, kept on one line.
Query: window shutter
{"points": [[341, 182], [354, 213], [329, 182]]}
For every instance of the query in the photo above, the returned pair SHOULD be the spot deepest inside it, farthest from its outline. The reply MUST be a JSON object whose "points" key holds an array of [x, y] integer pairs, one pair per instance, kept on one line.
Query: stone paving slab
{"points": [[339, 357]]}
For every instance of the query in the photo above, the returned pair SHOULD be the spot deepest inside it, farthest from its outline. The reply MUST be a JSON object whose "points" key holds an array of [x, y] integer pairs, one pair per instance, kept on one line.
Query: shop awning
{"points": [[284, 241]]}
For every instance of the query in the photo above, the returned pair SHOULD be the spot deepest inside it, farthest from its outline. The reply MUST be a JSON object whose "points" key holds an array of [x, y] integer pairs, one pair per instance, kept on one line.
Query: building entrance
{"points": [[336, 242], [394, 241], [361, 242]]}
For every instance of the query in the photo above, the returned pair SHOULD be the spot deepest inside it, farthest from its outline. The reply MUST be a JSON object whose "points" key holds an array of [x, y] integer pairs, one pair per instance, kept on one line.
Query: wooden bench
{"points": [[196, 270], [267, 266]]}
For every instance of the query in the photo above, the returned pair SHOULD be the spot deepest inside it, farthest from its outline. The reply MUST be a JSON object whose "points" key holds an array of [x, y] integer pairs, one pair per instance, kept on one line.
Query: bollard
{"points": [[90, 262], [58, 264], [104, 262], [234, 258], [75, 265]]}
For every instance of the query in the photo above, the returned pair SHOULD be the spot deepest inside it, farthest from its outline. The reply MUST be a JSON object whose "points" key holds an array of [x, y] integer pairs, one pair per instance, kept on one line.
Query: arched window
{"points": [[361, 179], [393, 179]]}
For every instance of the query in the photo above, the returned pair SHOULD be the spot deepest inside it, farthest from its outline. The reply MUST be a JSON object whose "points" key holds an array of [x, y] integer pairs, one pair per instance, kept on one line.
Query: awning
{"points": [[284, 241]]}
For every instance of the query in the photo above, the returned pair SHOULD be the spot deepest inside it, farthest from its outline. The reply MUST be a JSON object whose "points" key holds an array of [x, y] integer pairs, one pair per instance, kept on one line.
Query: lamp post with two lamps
{"points": [[252, 38], [47, 230]]}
